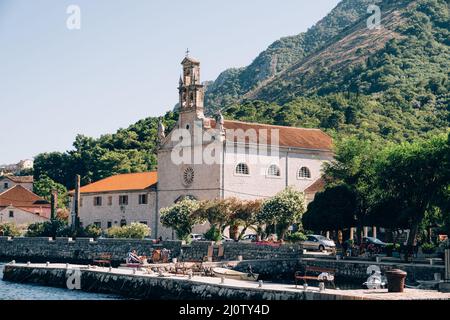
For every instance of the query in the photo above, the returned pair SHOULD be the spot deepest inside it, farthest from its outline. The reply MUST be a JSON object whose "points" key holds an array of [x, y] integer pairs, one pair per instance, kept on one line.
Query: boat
{"points": [[235, 275]]}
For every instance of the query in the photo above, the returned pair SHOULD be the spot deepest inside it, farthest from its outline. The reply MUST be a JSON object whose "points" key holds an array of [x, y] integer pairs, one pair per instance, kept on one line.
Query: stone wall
{"points": [[81, 250], [153, 288], [84, 250], [347, 270], [252, 251]]}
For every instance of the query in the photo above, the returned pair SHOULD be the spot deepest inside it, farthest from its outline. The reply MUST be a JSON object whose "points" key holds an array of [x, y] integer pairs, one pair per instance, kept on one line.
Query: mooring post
{"points": [[447, 265]]}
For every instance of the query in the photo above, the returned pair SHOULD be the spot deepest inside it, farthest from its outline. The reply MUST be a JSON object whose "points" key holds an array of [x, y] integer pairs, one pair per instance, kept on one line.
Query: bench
{"points": [[103, 260], [312, 273]]}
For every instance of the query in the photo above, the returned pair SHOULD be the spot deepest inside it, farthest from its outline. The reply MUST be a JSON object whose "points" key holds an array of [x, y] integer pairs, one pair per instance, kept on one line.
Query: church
{"points": [[208, 158]]}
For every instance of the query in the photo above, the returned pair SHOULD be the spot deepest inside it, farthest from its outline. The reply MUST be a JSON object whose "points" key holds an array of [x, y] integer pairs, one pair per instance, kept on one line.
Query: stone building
{"points": [[9, 181], [119, 200], [22, 207], [213, 158]]}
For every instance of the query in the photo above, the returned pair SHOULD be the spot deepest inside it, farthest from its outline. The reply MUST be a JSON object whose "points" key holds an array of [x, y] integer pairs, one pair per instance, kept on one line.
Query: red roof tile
{"points": [[123, 182], [288, 136], [19, 196]]}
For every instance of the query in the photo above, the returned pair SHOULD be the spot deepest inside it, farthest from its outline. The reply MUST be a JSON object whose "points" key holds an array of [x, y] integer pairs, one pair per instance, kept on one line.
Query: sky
{"points": [[123, 64]]}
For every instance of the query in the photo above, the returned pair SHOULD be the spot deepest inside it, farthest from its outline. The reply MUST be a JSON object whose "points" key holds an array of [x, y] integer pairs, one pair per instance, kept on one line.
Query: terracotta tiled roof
{"points": [[317, 186], [19, 196], [18, 179], [123, 182], [288, 136]]}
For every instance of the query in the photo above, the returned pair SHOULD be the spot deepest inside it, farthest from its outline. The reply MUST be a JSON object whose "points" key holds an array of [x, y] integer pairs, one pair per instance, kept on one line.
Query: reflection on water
{"points": [[14, 291]]}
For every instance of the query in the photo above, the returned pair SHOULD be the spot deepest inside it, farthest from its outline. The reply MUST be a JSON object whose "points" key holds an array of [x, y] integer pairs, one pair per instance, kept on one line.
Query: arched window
{"points": [[304, 173], [242, 168], [274, 171]]}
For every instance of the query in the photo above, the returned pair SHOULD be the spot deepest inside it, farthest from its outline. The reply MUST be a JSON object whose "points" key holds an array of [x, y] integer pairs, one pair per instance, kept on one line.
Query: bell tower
{"points": [[191, 91]]}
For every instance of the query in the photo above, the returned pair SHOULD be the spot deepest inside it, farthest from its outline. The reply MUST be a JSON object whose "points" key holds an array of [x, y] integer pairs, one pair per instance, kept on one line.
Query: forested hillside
{"points": [[389, 84]]}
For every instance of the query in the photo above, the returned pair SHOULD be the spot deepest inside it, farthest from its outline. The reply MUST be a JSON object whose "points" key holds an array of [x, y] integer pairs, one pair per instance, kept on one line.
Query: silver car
{"points": [[318, 242]]}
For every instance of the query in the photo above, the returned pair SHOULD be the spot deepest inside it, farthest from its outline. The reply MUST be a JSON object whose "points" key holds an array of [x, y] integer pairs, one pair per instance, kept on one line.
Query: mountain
{"points": [[391, 83], [233, 84], [388, 85]]}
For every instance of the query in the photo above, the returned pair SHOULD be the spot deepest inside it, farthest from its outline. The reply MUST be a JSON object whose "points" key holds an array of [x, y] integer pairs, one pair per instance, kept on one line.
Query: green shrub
{"points": [[9, 230], [52, 228], [213, 234], [92, 231], [296, 237], [428, 248], [133, 231]]}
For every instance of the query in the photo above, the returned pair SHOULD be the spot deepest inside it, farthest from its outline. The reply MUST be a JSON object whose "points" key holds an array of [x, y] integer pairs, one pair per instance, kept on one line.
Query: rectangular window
{"points": [[6, 185], [11, 214], [109, 224], [110, 201], [81, 202], [97, 201], [98, 224], [123, 200], [143, 199]]}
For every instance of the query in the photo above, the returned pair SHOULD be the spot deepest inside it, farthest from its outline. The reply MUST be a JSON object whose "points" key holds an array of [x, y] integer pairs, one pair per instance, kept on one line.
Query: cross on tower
{"points": [[187, 52]]}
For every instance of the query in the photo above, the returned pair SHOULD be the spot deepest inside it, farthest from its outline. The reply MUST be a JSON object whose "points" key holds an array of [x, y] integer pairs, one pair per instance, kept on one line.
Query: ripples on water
{"points": [[14, 291]]}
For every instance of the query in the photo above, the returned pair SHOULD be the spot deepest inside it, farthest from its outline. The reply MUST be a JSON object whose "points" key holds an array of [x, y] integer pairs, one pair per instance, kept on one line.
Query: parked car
{"points": [[318, 242], [197, 237], [249, 238], [373, 245]]}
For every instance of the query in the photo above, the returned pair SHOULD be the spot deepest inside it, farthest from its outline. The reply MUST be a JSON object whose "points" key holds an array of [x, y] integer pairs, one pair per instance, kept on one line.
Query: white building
{"points": [[220, 159], [7, 182], [119, 200]]}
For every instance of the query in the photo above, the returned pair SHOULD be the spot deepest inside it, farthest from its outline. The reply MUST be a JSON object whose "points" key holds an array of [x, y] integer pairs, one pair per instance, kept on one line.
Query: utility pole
{"points": [[54, 204], [75, 223]]}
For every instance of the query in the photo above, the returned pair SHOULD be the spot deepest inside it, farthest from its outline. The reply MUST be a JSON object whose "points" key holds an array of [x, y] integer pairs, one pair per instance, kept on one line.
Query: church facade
{"points": [[213, 158]]}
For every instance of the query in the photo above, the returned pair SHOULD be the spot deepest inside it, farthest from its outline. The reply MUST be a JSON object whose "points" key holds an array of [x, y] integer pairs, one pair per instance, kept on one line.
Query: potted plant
{"points": [[428, 248]]}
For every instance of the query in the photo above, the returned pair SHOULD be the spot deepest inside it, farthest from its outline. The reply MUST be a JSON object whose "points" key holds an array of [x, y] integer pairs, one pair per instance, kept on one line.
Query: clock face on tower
{"points": [[188, 176]]}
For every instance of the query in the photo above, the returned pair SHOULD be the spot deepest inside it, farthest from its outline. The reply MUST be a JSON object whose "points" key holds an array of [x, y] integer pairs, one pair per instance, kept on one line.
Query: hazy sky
{"points": [[124, 63]]}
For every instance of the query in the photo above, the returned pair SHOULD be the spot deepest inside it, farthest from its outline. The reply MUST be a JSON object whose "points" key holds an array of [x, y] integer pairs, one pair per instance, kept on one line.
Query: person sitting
{"points": [[134, 258]]}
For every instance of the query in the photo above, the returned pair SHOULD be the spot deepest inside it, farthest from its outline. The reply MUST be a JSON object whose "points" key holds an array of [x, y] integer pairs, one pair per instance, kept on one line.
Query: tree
{"points": [[416, 175], [181, 217], [44, 188], [283, 210], [332, 209]]}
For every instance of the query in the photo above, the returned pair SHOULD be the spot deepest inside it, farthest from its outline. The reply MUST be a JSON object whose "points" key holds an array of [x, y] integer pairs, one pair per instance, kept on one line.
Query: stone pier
{"points": [[140, 285]]}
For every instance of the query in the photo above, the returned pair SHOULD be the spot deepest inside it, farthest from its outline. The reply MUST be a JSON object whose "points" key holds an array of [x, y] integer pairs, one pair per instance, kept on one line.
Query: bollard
{"points": [[305, 286], [67, 266], [13, 262], [47, 264], [134, 271], [396, 280], [222, 280], [28, 263], [378, 259], [447, 264], [260, 283], [240, 258], [321, 286], [110, 269]]}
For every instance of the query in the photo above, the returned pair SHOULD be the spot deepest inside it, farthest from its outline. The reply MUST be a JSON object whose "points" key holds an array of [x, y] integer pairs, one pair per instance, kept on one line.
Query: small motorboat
{"points": [[235, 275]]}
